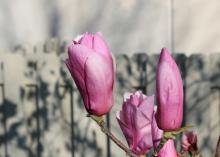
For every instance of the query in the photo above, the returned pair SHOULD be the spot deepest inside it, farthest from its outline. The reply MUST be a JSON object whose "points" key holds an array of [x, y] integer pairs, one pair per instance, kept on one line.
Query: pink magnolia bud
{"points": [[91, 66], [189, 142], [168, 150], [135, 120], [169, 93]]}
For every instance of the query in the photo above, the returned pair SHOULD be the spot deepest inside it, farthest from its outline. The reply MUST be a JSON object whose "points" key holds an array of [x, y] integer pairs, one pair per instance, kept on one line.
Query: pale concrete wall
{"points": [[128, 25], [197, 26]]}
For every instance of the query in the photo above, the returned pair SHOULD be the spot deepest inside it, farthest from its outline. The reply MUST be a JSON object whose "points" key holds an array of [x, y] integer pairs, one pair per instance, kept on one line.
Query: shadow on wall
{"points": [[42, 123], [49, 118]]}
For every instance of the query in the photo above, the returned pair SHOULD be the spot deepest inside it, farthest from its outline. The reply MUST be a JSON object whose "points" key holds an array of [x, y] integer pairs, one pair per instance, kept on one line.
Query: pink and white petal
{"points": [[126, 96], [138, 93], [77, 39]]}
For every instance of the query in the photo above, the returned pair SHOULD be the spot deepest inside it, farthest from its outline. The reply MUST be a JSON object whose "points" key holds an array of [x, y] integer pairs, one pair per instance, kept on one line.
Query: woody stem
{"points": [[108, 133]]}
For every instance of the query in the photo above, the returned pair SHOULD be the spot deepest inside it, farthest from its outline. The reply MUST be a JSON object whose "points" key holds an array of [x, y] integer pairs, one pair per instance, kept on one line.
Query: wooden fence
{"points": [[42, 115]]}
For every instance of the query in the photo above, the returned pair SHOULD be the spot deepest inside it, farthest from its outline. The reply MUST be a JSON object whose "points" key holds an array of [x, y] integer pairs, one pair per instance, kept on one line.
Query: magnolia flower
{"points": [[189, 141], [168, 150], [135, 120], [169, 93], [91, 66]]}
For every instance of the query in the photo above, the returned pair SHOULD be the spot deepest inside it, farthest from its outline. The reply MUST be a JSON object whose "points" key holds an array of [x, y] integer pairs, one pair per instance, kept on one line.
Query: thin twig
{"points": [[108, 133], [217, 153]]}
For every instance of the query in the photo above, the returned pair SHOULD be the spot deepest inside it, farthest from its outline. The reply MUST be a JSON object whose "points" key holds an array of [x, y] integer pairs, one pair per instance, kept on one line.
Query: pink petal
{"points": [[128, 110], [192, 137], [142, 126], [128, 132], [144, 142], [168, 150], [99, 82], [157, 134], [138, 93], [147, 106], [134, 99], [87, 40], [100, 45], [189, 141], [77, 57], [126, 96], [141, 120], [185, 144]]}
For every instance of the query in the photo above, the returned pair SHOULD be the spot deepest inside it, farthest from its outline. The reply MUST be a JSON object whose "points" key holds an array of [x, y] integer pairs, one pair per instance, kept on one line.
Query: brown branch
{"points": [[217, 153], [108, 133]]}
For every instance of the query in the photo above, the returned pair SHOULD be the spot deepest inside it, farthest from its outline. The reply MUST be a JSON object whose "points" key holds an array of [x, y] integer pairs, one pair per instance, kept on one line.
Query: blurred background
{"points": [[41, 112], [128, 25]]}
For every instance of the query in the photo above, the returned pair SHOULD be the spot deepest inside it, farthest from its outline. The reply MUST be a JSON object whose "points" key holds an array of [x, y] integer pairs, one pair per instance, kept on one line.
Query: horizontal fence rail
{"points": [[42, 114]]}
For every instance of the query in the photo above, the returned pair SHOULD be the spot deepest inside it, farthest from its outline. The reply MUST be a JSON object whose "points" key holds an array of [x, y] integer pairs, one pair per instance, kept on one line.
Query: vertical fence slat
{"points": [[31, 119], [214, 66], [29, 103], [51, 124], [15, 126], [181, 62], [214, 116], [3, 143], [151, 64], [198, 99], [67, 106]]}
